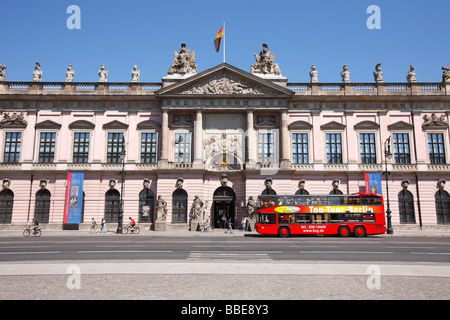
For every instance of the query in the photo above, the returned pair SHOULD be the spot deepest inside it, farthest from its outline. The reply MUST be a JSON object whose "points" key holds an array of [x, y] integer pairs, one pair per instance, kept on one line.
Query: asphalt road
{"points": [[242, 248], [223, 268]]}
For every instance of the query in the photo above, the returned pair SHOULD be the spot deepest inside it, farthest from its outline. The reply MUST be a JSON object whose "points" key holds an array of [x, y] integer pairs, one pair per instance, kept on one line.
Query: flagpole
{"points": [[224, 42]]}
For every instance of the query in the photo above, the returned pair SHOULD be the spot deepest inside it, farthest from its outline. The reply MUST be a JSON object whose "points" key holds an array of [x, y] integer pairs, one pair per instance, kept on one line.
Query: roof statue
{"points": [[264, 63], [183, 62], [446, 74], [37, 73], [3, 72], [411, 74], [378, 74]]}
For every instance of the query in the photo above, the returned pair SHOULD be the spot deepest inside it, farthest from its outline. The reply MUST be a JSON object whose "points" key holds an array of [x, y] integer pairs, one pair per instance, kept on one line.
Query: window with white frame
{"points": [[266, 147], [182, 148]]}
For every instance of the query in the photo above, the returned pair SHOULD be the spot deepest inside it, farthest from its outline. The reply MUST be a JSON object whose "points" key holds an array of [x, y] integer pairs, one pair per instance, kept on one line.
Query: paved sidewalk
{"points": [[215, 233]]}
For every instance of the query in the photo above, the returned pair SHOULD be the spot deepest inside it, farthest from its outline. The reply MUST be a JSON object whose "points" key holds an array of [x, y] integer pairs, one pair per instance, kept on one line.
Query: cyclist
{"points": [[132, 224], [34, 225]]}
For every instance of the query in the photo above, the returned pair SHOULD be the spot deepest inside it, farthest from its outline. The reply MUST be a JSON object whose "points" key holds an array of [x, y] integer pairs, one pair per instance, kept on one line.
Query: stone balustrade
{"points": [[78, 88], [300, 89]]}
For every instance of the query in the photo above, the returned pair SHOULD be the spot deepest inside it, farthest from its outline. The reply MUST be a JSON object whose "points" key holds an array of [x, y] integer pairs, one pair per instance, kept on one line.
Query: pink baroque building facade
{"points": [[203, 144]]}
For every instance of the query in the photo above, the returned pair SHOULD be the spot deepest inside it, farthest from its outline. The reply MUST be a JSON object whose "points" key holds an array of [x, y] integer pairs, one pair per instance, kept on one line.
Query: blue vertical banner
{"points": [[73, 209], [373, 183]]}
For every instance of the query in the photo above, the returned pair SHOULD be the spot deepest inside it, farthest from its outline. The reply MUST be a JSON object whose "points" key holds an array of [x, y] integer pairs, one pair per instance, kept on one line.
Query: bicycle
{"points": [[36, 232], [128, 229], [205, 227]]}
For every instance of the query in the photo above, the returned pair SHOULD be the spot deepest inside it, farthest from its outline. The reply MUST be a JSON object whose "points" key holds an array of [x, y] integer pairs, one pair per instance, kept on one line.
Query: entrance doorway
{"points": [[224, 206]]}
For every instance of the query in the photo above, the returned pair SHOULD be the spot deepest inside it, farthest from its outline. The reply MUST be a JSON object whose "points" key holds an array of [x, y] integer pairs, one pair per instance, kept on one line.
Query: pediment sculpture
{"points": [[264, 63], [223, 85], [183, 62]]}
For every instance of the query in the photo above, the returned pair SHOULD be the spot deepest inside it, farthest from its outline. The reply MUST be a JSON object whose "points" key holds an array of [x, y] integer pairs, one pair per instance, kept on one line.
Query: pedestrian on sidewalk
{"points": [[103, 225], [229, 224], [244, 222], [93, 225]]}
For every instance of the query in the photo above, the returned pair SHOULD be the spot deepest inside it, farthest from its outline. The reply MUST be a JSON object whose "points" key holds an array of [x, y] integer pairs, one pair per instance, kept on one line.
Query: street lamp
{"points": [[122, 173], [388, 156]]}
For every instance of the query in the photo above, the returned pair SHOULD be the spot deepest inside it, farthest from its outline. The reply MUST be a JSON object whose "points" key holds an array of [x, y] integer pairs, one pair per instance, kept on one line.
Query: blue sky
{"points": [[327, 33]]}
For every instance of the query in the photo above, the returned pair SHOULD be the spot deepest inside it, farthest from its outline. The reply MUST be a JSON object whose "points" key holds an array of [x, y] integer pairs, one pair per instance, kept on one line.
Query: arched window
{"points": [[42, 206], [112, 205], [179, 205], [406, 207], [6, 205], [442, 200], [146, 201]]}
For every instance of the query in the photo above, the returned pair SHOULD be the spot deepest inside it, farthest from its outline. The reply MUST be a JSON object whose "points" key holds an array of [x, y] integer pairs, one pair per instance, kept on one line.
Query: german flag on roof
{"points": [[218, 39]]}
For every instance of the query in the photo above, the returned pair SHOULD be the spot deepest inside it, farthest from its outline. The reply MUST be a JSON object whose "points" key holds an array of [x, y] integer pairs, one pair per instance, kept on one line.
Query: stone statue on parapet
{"points": [[3, 72], [103, 73], [314, 74], [411, 75], [446, 74], [37, 73], [135, 74], [264, 63], [183, 62], [345, 74], [70, 73], [378, 74]]}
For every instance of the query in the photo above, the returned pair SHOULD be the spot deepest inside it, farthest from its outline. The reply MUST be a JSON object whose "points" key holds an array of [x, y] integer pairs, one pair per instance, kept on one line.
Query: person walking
{"points": [[103, 225], [244, 222], [229, 224], [93, 225]]}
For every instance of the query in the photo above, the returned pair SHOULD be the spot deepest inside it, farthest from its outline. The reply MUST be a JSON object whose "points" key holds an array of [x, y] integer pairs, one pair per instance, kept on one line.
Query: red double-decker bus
{"points": [[357, 214]]}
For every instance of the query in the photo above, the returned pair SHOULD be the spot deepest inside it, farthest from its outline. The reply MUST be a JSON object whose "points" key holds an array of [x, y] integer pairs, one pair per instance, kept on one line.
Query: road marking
{"points": [[356, 252], [125, 251], [31, 252]]}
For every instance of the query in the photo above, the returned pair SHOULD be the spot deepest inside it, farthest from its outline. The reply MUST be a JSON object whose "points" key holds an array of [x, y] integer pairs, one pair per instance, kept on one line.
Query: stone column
{"points": [[251, 142], [284, 141], [164, 160], [198, 136]]}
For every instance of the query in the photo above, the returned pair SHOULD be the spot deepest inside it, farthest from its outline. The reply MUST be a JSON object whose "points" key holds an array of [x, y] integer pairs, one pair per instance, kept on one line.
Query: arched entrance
{"points": [[224, 206]]}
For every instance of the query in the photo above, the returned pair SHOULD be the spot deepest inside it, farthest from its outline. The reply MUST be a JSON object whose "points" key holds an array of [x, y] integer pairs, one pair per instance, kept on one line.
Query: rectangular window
{"points": [[148, 147], [401, 148], [266, 148], [300, 148], [81, 147], [114, 147], [182, 148], [334, 147], [436, 148], [47, 147], [367, 148], [12, 147]]}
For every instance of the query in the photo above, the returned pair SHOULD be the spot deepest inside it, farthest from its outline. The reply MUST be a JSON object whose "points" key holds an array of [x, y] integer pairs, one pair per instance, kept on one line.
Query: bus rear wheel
{"points": [[344, 231], [284, 232], [359, 231]]}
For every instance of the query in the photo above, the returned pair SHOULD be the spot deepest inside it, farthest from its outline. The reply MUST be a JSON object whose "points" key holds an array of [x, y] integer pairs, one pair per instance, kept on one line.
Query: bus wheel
{"points": [[344, 231], [284, 232], [359, 231]]}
